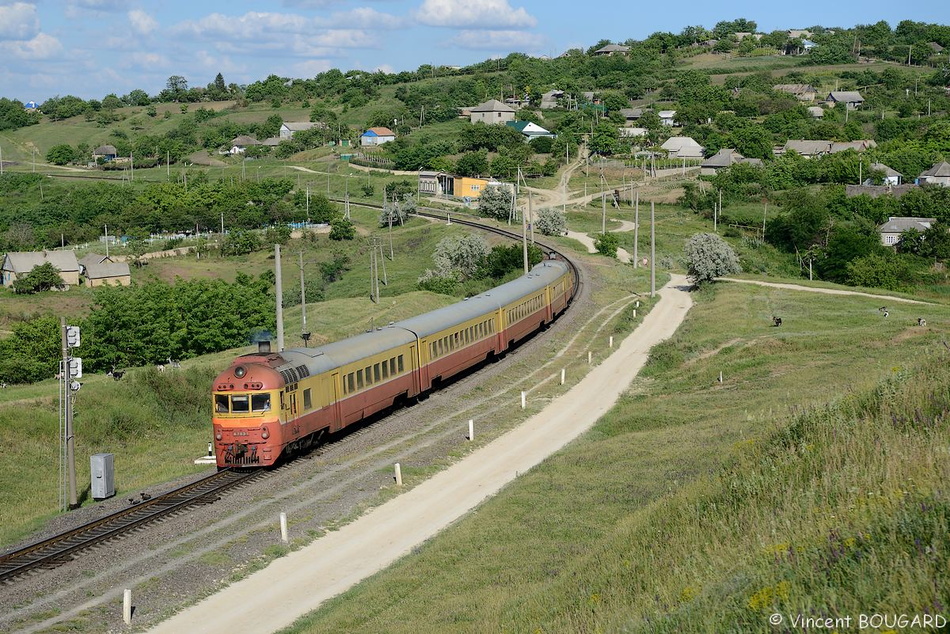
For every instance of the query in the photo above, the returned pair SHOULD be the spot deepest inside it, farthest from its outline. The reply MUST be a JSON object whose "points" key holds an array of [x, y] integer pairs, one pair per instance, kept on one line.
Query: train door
{"points": [[293, 405], [336, 415], [420, 373]]}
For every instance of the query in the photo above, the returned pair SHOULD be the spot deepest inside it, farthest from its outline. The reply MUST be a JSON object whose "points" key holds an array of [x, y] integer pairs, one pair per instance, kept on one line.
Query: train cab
{"points": [[246, 414]]}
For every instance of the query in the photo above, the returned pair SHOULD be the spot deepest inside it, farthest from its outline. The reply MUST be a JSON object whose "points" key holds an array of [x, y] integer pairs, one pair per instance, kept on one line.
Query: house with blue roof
{"points": [[377, 136], [530, 130]]}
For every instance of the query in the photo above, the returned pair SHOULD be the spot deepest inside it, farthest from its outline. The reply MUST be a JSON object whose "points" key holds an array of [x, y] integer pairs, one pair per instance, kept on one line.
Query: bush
{"points": [[42, 278], [551, 222], [708, 256], [607, 243], [342, 229]]}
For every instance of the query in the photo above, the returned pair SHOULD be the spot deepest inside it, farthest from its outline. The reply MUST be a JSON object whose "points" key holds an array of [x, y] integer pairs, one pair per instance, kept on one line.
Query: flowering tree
{"points": [[708, 256]]}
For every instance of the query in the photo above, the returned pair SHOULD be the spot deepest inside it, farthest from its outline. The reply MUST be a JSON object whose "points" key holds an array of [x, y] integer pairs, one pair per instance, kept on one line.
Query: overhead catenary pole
{"points": [[107, 239], [279, 300], [65, 379]]}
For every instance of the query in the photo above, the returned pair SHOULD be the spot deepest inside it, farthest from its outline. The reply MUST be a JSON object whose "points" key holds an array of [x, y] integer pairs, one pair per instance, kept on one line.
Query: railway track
{"points": [[60, 549]]}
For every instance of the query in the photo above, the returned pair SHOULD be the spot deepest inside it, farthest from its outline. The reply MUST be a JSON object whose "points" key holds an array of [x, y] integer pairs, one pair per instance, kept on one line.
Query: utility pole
{"points": [[303, 294], [1, 161], [280, 300], [107, 239], [524, 232], [652, 251], [636, 229]]}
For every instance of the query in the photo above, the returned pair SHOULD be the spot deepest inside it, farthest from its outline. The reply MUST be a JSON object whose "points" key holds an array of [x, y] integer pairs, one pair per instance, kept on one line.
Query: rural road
{"points": [[297, 584]]}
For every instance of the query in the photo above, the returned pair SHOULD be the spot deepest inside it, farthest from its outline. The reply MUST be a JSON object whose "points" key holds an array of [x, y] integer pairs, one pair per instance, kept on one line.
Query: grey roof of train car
{"points": [[333, 355]]}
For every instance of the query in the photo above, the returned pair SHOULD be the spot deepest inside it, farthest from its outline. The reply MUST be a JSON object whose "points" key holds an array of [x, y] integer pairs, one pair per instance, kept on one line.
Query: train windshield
{"points": [[241, 403]]}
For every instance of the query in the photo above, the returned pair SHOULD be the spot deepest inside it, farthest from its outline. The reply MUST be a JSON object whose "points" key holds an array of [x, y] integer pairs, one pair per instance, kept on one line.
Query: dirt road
{"points": [[297, 584]]}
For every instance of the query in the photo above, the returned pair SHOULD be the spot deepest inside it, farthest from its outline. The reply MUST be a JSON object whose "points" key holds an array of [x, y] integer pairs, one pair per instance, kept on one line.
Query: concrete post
{"points": [[283, 528], [127, 606], [471, 429], [398, 475]]}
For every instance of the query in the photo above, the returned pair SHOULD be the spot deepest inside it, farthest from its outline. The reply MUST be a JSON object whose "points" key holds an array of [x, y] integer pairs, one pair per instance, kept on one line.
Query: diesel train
{"points": [[270, 404]]}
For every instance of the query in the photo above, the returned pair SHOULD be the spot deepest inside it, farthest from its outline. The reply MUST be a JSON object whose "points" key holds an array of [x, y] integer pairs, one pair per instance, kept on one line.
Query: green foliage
{"points": [[43, 277], [279, 234], [342, 229], [240, 242], [607, 244], [62, 154], [495, 202], [397, 212], [880, 270], [32, 352], [551, 222], [708, 256], [145, 324]]}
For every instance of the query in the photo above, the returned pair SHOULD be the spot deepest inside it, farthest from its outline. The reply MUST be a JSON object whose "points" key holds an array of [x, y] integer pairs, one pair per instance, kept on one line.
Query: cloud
{"points": [[40, 47], [18, 21], [365, 18], [250, 26], [142, 23], [469, 14], [497, 40]]}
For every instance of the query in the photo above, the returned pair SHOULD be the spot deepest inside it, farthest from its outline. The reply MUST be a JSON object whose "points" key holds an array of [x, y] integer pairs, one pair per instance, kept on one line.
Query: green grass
{"points": [[809, 480]]}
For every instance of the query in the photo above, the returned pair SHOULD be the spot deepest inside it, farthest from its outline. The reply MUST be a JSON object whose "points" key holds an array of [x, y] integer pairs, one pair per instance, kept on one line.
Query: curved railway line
{"points": [[57, 550]]}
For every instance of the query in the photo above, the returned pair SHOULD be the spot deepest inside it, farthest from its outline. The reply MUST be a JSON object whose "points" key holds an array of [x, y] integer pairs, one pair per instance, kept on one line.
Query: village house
{"points": [[892, 229], [667, 117], [239, 144], [18, 264], [891, 176], [104, 152], [802, 92], [289, 128], [725, 157], [101, 270], [682, 147], [612, 49], [549, 99], [939, 174], [851, 98], [530, 130], [377, 136], [442, 184], [492, 111]]}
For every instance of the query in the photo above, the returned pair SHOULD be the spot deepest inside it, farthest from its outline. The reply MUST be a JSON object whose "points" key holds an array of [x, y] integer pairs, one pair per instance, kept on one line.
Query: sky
{"points": [[91, 48]]}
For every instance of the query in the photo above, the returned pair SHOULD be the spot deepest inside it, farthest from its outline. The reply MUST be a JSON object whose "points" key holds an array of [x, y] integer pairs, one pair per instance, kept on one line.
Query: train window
{"points": [[359, 379], [260, 402], [385, 365], [350, 382], [221, 403], [392, 366], [307, 400], [239, 403], [432, 350], [399, 361], [368, 372], [455, 341], [376, 375]]}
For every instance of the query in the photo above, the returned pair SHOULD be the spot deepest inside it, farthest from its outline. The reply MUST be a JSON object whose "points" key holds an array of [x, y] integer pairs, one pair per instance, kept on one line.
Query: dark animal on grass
{"points": [[115, 374], [776, 321], [921, 321]]}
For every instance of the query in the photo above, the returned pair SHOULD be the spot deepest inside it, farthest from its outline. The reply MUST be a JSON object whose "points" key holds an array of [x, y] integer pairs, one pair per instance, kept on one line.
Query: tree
{"points": [[342, 229], [176, 87], [397, 212], [42, 278], [708, 256], [61, 154], [460, 257], [495, 202], [551, 222]]}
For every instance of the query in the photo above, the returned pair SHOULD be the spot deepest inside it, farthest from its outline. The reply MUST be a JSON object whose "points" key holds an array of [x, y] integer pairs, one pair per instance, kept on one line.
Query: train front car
{"points": [[246, 419]]}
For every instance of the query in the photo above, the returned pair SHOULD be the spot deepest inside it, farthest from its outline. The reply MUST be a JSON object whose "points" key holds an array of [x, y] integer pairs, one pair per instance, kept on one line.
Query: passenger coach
{"points": [[270, 403]]}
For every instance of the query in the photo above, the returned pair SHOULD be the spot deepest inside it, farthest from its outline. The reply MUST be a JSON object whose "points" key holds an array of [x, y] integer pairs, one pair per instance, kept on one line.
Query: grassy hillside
{"points": [[811, 480]]}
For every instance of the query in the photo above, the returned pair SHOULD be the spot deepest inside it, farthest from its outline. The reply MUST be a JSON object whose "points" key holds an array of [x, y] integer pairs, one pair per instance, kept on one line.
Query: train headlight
{"points": [[265, 434], [240, 371], [218, 436]]}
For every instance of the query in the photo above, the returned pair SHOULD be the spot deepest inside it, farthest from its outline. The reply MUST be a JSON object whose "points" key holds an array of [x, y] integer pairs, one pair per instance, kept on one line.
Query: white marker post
{"points": [[610, 343], [283, 528], [524, 400], [563, 372], [471, 429], [590, 357], [127, 606], [398, 475]]}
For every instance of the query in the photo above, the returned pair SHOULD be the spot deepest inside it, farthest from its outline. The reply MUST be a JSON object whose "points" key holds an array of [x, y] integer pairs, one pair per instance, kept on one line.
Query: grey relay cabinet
{"points": [[102, 472]]}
